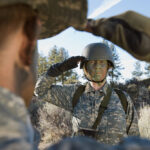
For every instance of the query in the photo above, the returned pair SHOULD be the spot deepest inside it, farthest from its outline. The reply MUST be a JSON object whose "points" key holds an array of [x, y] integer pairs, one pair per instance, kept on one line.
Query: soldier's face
{"points": [[96, 70]]}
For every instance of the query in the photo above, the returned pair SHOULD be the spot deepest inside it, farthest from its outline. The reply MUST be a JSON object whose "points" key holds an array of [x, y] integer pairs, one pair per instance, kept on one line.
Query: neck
{"points": [[97, 86], [6, 80]]}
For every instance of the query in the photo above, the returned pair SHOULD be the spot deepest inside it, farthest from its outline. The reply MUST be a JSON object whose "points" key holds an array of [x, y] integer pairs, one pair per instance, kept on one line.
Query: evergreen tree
{"points": [[57, 55], [137, 73], [42, 65], [147, 70], [53, 56], [115, 73]]}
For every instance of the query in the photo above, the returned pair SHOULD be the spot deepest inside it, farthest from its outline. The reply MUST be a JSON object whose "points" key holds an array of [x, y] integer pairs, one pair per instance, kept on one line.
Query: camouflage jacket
{"points": [[114, 120], [15, 128], [84, 143]]}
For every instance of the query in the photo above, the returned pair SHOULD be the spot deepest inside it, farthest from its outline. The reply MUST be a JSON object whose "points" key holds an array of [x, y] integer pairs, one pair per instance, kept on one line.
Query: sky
{"points": [[74, 41]]}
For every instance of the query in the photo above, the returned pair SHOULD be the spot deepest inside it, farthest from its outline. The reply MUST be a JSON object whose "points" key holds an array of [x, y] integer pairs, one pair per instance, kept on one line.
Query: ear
{"points": [[109, 65], [26, 54]]}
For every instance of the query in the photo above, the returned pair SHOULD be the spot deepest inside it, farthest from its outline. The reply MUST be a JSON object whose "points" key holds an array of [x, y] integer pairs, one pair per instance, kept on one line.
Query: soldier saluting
{"points": [[102, 112]]}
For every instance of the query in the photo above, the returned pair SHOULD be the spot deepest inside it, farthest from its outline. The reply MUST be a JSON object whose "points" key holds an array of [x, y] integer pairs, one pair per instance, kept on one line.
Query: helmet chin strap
{"points": [[95, 81]]}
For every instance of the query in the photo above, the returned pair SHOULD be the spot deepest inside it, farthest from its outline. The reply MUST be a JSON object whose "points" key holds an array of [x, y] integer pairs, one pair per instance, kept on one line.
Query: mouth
{"points": [[98, 73]]}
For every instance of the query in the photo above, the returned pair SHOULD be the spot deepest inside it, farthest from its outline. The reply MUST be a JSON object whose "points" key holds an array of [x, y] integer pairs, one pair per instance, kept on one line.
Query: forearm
{"points": [[43, 84], [127, 31]]}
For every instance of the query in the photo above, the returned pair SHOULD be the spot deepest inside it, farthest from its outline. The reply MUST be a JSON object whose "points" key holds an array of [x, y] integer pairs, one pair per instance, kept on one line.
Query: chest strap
{"points": [[102, 108], [103, 105]]}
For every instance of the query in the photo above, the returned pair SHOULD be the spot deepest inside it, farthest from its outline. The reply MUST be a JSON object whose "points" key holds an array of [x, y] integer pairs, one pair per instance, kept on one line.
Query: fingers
{"points": [[80, 59], [88, 26]]}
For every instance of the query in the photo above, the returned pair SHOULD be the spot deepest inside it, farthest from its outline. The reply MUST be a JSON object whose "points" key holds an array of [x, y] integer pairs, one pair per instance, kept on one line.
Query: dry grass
{"points": [[144, 122]]}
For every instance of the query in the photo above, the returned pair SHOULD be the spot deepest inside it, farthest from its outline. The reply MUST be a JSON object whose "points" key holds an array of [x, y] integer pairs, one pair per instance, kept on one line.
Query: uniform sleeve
{"points": [[16, 132], [131, 119], [43, 85], [59, 95], [129, 30], [15, 144]]}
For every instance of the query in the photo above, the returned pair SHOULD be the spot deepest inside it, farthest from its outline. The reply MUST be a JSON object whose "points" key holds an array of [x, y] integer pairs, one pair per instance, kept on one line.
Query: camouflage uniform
{"points": [[81, 143], [15, 127], [114, 123]]}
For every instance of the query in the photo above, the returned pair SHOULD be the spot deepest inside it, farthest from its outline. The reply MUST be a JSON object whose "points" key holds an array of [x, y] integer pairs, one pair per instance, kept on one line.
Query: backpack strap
{"points": [[124, 103], [123, 99], [77, 95], [102, 107], [104, 103]]}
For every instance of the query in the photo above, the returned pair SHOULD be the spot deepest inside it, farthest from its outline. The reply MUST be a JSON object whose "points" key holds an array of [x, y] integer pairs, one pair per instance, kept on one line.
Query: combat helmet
{"points": [[97, 51], [55, 15]]}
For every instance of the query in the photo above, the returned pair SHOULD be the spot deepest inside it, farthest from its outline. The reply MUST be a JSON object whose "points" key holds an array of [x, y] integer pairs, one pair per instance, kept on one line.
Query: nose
{"points": [[98, 65]]}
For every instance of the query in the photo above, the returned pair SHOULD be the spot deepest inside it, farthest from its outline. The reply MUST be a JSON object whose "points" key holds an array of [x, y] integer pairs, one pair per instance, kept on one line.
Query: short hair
{"points": [[14, 16]]}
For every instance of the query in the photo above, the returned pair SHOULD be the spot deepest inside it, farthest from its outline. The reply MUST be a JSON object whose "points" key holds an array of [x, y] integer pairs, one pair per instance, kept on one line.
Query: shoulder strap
{"points": [[104, 103], [124, 103], [102, 107], [123, 99], [77, 95]]}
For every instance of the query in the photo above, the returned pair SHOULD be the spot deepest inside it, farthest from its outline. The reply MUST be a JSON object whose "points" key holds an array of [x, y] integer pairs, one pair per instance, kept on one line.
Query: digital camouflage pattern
{"points": [[15, 127], [52, 122], [114, 121], [129, 30], [56, 15], [84, 143], [79, 143]]}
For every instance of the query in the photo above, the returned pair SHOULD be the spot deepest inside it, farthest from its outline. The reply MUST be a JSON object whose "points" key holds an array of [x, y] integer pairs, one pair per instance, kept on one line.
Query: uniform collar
{"points": [[89, 88], [10, 98]]}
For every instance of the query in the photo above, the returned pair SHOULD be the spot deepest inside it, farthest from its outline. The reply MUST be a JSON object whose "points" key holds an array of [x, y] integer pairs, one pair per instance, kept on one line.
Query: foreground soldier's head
{"points": [[20, 22], [19, 27]]}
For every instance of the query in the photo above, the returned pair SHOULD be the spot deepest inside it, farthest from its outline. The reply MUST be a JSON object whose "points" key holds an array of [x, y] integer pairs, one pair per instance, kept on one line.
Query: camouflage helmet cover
{"points": [[98, 51], [56, 15]]}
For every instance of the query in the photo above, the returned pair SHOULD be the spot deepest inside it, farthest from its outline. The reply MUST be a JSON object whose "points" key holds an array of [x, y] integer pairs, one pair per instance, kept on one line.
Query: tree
{"points": [[57, 55], [53, 56], [62, 55], [72, 79], [137, 73], [147, 70], [42, 65], [115, 73]]}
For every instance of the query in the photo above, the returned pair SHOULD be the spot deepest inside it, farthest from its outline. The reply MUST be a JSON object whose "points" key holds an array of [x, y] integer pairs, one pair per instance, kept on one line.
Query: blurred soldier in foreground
{"points": [[20, 21], [80, 143], [102, 112]]}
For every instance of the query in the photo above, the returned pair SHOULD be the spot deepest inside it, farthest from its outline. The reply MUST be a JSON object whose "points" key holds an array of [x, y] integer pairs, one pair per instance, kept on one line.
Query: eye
{"points": [[91, 62]]}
